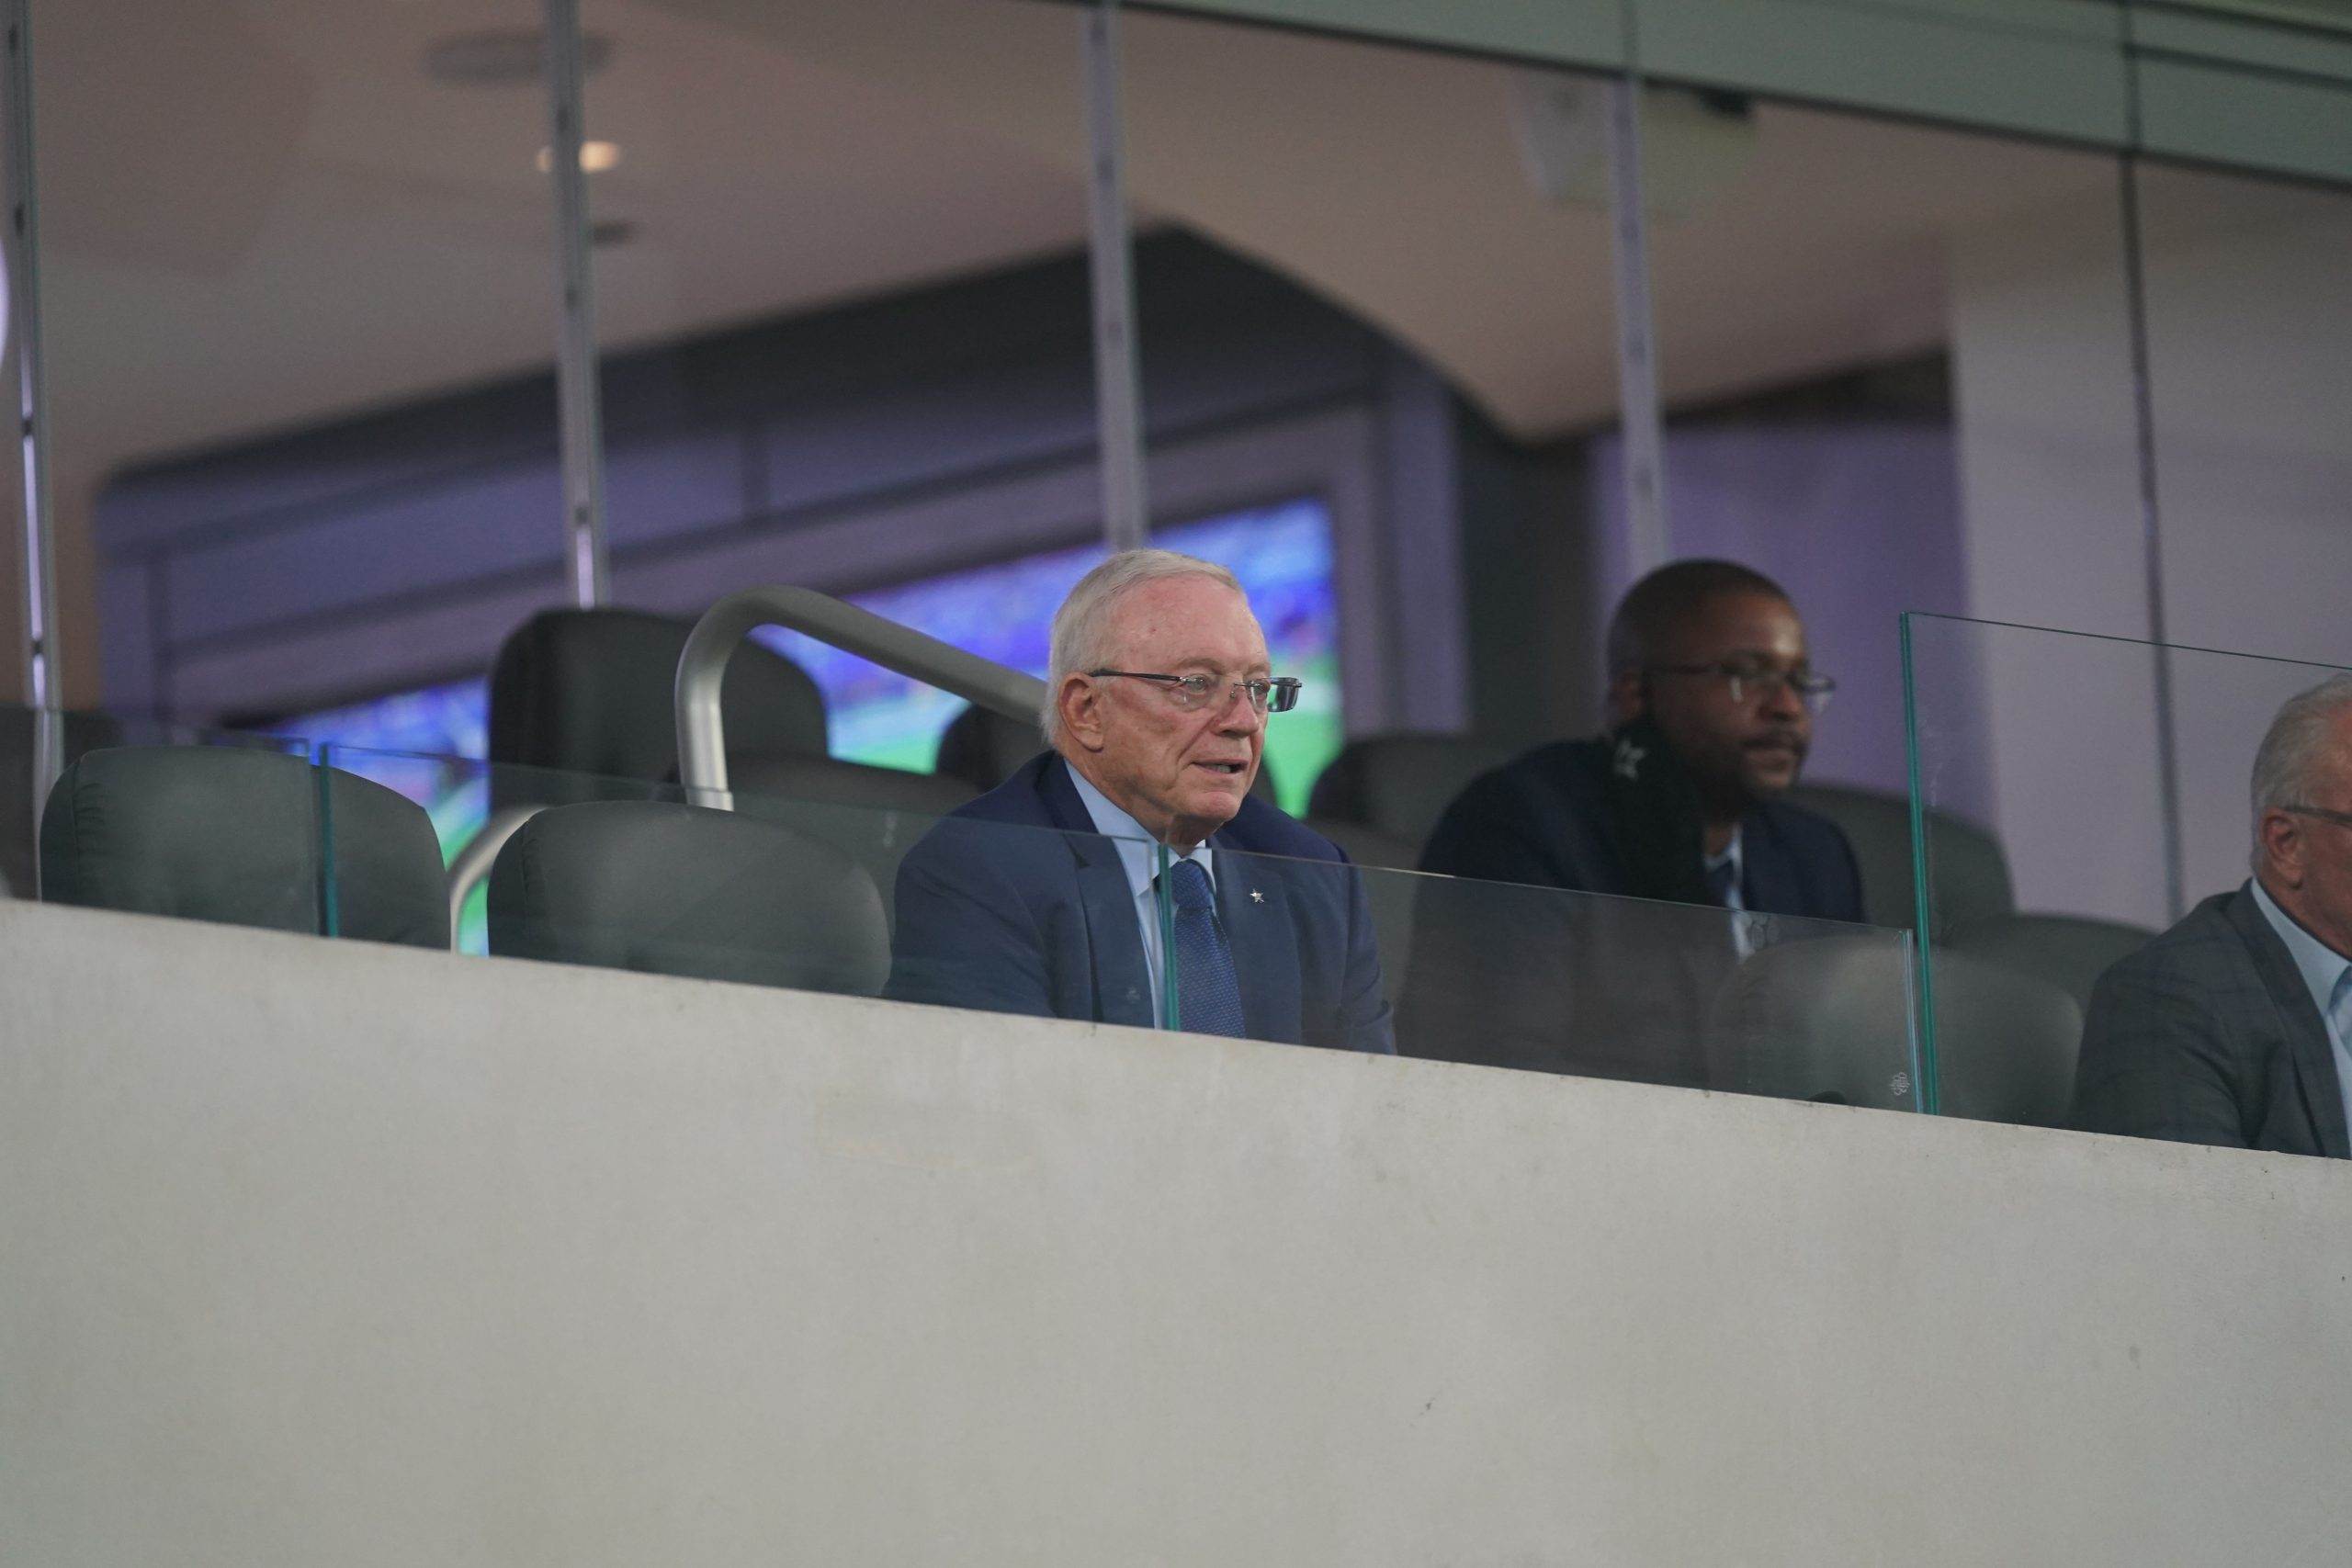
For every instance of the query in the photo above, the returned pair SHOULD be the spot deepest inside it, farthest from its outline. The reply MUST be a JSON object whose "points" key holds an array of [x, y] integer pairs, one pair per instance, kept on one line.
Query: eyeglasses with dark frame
{"points": [[1758, 681], [2341, 819], [1276, 693]]}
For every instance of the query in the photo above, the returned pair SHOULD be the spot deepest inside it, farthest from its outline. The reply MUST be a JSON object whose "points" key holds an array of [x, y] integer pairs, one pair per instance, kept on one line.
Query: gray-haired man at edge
{"points": [[2231, 1027]]}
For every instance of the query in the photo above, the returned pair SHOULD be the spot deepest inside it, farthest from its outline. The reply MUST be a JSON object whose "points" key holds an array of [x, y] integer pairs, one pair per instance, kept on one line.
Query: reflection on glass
{"points": [[1579, 984]]}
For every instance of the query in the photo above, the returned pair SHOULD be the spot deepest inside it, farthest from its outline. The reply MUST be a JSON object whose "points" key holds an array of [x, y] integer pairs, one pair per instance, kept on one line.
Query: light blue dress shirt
{"points": [[2328, 974], [1734, 898], [1138, 857]]}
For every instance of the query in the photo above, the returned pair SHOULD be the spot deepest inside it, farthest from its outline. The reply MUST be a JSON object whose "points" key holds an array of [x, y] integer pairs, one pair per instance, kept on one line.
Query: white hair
{"points": [[1082, 625], [2289, 766]]}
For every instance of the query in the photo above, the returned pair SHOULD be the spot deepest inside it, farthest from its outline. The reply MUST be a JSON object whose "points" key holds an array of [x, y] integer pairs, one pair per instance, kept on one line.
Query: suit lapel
{"points": [[1113, 935], [1254, 906], [2313, 1057], [1768, 882]]}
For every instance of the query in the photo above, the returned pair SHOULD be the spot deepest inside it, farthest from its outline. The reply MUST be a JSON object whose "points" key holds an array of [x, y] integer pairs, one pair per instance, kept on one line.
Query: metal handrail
{"points": [[473, 862], [702, 744]]}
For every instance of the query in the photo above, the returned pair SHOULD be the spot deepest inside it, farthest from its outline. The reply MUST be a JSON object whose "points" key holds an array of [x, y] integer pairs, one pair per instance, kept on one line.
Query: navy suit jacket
{"points": [[1542, 818], [1623, 987], [1014, 904]]}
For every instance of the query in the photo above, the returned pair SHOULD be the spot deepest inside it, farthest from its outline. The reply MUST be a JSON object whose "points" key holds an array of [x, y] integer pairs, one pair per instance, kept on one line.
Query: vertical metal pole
{"points": [[44, 683], [1648, 542], [1118, 396], [576, 390], [2151, 544]]}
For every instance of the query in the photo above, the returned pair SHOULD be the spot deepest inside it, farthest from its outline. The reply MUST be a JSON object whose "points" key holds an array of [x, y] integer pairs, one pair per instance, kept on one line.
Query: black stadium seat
{"points": [[673, 889], [592, 692], [1967, 870], [1400, 785], [236, 835]]}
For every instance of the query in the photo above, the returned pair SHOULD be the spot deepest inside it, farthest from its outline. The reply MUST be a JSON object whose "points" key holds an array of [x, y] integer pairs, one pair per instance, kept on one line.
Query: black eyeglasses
{"points": [[1747, 680], [1277, 694], [2342, 819]]}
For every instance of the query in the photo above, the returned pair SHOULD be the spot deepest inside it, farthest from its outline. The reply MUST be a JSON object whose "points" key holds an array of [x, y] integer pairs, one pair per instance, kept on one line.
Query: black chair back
{"points": [[248, 837]]}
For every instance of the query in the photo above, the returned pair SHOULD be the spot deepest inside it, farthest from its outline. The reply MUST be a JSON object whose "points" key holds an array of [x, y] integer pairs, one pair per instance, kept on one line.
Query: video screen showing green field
{"points": [[1281, 553]]}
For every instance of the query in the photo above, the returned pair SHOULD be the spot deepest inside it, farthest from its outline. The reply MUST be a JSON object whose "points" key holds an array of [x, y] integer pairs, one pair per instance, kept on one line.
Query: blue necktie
{"points": [[1208, 992], [1722, 879]]}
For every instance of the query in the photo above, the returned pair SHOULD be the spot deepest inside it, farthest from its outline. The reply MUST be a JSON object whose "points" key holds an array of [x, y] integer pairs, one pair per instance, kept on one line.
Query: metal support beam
{"points": [[576, 388], [1648, 542], [2143, 430], [44, 671], [1118, 396]]}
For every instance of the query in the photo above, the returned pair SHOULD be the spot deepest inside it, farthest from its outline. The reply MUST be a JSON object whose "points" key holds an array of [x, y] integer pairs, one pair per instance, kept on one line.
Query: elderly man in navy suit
{"points": [[1118, 876]]}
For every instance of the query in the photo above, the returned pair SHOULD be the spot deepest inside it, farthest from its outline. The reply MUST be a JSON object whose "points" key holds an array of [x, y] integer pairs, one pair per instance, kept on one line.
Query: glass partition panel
{"points": [[298, 312], [2117, 774], [149, 818], [2249, 331], [1381, 277], [853, 882], [1897, 372], [843, 309], [1327, 953]]}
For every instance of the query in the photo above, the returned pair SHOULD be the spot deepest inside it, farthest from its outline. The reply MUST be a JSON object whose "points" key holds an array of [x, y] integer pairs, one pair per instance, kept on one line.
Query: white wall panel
{"points": [[332, 1253]]}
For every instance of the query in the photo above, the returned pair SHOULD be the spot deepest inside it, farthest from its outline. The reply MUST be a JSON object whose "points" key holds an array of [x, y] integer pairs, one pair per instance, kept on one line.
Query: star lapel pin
{"points": [[1256, 896], [1629, 759]]}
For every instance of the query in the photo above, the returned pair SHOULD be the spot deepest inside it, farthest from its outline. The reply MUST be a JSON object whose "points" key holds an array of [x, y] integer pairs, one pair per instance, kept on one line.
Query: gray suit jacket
{"points": [[2208, 1035]]}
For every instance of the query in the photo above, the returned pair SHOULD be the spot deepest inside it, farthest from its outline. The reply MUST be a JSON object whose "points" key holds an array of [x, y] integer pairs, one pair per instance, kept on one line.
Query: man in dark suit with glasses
{"points": [[1711, 705], [1128, 875], [2232, 1028]]}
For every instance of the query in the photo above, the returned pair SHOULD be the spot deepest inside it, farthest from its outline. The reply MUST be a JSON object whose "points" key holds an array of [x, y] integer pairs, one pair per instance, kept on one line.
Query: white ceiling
{"points": [[258, 213]]}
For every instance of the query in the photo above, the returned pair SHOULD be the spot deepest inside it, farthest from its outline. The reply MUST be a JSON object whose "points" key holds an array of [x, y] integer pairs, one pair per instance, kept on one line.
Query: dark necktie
{"points": [[1209, 993], [1721, 881]]}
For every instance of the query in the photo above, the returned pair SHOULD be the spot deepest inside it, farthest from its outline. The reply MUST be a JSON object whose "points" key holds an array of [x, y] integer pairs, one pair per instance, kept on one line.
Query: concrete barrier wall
{"points": [[331, 1253]]}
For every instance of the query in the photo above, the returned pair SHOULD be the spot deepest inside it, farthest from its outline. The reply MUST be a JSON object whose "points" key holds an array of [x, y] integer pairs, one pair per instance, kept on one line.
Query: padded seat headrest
{"points": [[673, 889], [236, 835], [594, 691], [1401, 784]]}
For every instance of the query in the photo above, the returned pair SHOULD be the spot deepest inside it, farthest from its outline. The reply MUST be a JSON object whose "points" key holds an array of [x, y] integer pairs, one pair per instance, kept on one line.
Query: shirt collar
{"points": [[2320, 964], [1730, 857], [1137, 849]]}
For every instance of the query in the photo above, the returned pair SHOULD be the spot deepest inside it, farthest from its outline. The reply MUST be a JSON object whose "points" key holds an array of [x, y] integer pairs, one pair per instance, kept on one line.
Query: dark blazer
{"points": [[1013, 904], [1542, 819], [1624, 986], [2209, 1035]]}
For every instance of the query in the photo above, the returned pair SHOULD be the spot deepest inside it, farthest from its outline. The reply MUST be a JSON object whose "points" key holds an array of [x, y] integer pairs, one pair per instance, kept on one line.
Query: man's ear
{"points": [[2281, 838], [1628, 697], [1079, 703]]}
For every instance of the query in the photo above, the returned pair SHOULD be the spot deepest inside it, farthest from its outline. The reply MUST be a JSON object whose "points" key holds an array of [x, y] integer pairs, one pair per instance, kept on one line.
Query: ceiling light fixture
{"points": [[596, 157]]}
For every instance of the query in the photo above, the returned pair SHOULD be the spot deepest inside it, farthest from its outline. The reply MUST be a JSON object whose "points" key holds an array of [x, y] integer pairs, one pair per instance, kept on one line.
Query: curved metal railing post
{"points": [[702, 744], [472, 863]]}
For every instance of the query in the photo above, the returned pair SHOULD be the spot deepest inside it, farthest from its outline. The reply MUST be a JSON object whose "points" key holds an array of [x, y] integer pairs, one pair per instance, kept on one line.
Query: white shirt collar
{"points": [[2320, 964], [1137, 847]]}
